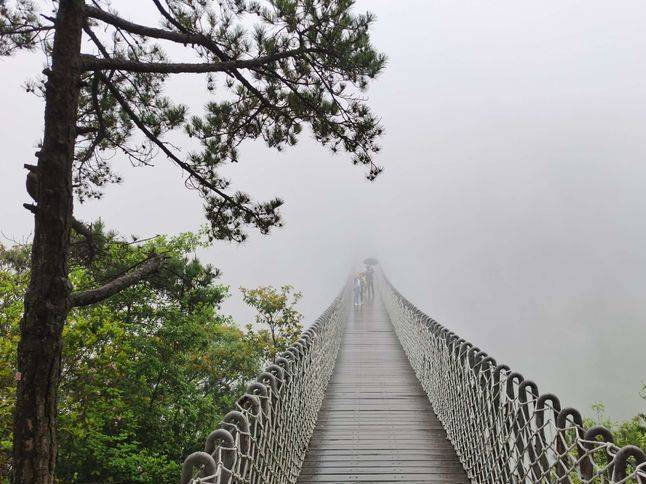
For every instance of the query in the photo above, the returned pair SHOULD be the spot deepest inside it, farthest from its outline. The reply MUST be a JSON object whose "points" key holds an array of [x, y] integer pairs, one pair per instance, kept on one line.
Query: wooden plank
{"points": [[454, 478], [404, 467], [376, 423]]}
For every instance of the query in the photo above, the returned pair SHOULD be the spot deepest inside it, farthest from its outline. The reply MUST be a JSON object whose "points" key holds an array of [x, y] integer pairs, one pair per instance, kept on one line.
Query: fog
{"points": [[512, 206]]}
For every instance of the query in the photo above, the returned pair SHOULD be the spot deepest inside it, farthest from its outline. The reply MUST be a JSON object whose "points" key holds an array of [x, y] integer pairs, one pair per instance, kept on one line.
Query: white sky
{"points": [[512, 207]]}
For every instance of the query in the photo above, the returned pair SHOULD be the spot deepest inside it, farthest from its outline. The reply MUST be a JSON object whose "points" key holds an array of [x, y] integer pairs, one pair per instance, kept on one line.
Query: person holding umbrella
{"points": [[369, 276]]}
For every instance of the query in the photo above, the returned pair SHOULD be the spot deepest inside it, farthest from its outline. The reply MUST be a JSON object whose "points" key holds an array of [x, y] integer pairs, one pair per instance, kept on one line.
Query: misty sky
{"points": [[512, 207]]}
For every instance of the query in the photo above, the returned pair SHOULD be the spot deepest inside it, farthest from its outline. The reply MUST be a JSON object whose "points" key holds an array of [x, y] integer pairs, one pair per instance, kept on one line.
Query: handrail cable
{"points": [[502, 428]]}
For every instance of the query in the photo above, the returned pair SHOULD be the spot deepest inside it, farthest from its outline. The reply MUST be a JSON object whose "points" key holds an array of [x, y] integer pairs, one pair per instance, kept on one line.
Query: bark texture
{"points": [[130, 278], [48, 301]]}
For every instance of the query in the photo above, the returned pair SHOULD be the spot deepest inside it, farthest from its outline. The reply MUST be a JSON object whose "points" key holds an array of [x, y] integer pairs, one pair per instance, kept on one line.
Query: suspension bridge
{"points": [[383, 393]]}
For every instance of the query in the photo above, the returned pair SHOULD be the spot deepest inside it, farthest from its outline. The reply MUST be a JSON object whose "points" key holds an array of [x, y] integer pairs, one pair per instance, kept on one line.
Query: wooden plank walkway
{"points": [[376, 423]]}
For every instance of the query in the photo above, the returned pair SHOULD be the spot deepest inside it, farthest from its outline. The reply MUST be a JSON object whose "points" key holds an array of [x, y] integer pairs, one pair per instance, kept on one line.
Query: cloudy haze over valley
{"points": [[512, 206]]}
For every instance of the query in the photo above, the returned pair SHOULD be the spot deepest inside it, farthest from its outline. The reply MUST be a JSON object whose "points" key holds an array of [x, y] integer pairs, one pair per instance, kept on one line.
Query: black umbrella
{"points": [[370, 262]]}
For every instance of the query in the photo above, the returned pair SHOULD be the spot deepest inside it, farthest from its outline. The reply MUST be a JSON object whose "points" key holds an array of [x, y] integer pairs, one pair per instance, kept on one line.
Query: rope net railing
{"points": [[265, 438], [503, 430]]}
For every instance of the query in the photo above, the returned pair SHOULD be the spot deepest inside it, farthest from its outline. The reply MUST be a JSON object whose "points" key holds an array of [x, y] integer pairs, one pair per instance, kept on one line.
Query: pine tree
{"points": [[285, 65]]}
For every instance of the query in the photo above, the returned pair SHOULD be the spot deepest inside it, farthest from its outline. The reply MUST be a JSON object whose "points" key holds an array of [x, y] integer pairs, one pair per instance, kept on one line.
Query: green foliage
{"points": [[629, 432], [13, 283], [146, 374], [276, 310]]}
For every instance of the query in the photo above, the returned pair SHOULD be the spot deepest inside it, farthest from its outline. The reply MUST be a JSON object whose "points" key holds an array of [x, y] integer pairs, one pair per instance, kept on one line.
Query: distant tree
{"points": [[285, 65], [276, 311], [147, 374]]}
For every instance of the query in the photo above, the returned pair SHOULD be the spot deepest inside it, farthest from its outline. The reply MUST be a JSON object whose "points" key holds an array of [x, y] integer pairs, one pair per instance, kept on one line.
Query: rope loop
{"points": [[201, 462], [621, 464], [503, 430], [265, 438]]}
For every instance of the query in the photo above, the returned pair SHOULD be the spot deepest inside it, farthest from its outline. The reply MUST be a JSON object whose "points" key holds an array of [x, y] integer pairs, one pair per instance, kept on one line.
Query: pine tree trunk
{"points": [[47, 301]]}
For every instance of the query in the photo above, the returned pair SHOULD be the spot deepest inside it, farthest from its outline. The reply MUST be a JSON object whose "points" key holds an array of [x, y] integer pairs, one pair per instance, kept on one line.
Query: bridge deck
{"points": [[376, 423]]}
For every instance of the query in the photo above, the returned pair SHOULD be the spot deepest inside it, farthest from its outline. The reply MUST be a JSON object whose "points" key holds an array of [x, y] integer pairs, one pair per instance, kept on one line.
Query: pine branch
{"points": [[183, 165], [143, 128], [133, 28], [183, 37], [132, 277], [169, 17], [92, 63]]}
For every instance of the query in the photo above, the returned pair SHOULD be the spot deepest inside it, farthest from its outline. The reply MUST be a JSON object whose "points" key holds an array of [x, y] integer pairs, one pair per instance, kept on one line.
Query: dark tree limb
{"points": [[169, 17], [83, 130], [153, 32], [92, 63], [132, 277]]}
